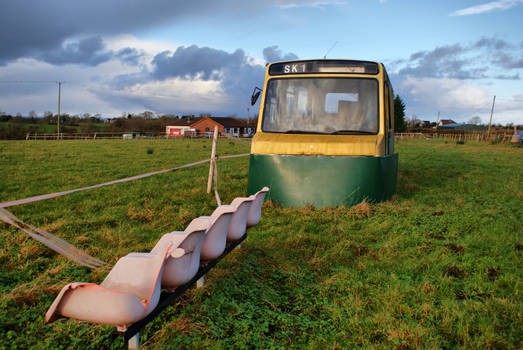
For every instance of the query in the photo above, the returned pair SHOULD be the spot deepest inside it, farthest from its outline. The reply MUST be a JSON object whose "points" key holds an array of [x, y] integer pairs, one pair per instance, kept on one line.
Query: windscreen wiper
{"points": [[351, 132], [305, 132]]}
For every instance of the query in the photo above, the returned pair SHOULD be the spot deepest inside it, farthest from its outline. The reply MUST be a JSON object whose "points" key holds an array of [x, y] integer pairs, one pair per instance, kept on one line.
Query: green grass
{"points": [[439, 266]]}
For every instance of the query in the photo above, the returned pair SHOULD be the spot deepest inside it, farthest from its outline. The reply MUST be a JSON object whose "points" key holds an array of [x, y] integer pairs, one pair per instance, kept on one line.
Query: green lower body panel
{"points": [[323, 181]]}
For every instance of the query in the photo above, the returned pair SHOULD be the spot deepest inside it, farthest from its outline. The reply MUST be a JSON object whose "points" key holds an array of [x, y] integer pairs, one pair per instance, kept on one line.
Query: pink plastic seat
{"points": [[238, 224], [130, 292], [255, 211], [216, 234], [182, 268]]}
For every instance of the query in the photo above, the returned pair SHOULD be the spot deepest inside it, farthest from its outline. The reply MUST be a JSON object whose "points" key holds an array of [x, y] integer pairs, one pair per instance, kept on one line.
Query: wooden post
{"points": [[58, 117], [213, 158], [491, 112]]}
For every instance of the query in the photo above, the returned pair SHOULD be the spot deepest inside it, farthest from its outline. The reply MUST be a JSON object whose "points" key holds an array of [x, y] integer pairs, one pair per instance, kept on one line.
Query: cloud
{"points": [[492, 43], [460, 79], [173, 95], [509, 62], [212, 80], [193, 60], [90, 51], [446, 94], [485, 58], [30, 26], [286, 4], [443, 61], [487, 7], [507, 77], [112, 77], [129, 56], [273, 54]]}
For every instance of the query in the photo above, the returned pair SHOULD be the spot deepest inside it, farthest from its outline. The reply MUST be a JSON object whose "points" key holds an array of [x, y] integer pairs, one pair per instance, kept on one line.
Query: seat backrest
{"points": [[138, 273], [255, 211]]}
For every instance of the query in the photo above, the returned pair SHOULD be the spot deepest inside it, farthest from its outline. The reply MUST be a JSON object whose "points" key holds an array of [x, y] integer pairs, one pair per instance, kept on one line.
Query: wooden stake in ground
{"points": [[491, 112], [213, 159]]}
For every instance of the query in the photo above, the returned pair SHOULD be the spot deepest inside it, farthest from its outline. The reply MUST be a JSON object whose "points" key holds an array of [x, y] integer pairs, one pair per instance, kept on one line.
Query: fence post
{"points": [[213, 158]]}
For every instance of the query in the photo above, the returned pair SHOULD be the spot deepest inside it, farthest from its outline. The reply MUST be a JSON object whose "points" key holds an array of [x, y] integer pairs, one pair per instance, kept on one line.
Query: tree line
{"points": [[17, 127]]}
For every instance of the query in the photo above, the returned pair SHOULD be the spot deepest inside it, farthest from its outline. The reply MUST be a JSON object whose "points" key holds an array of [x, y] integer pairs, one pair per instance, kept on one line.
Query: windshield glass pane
{"points": [[321, 105]]}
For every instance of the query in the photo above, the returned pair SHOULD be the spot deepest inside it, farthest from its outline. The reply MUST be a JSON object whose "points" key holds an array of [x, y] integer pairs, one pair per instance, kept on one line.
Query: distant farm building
{"points": [[178, 130], [462, 126], [443, 122], [204, 126]]}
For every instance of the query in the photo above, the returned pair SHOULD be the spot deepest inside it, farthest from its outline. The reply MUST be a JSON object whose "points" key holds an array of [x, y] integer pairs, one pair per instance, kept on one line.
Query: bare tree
{"points": [[147, 114], [474, 120]]}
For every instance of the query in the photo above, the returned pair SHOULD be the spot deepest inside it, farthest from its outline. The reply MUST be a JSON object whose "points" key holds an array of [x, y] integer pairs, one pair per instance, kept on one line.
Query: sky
{"points": [[191, 57]]}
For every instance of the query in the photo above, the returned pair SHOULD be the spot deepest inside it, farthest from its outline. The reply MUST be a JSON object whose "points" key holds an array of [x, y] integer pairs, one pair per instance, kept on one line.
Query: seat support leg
{"points": [[134, 342], [200, 282]]}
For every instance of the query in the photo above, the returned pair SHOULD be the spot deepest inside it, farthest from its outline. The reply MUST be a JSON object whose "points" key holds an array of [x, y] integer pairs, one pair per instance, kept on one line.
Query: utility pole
{"points": [[248, 115], [491, 112], [58, 119]]}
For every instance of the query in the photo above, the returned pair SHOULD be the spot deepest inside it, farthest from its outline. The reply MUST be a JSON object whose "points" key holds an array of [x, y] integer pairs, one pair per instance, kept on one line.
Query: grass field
{"points": [[439, 266]]}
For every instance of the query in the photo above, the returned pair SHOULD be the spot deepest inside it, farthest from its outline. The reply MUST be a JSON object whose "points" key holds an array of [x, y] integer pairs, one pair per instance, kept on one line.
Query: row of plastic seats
{"points": [[132, 288]]}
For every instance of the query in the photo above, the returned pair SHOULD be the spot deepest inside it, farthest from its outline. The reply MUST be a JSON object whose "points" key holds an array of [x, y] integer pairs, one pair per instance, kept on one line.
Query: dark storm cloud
{"points": [[273, 54], [193, 60], [90, 52], [232, 69], [32, 26]]}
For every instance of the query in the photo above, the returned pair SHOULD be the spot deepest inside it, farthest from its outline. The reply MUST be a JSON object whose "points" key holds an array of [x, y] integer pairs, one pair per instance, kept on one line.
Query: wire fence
{"points": [[125, 136], [494, 136]]}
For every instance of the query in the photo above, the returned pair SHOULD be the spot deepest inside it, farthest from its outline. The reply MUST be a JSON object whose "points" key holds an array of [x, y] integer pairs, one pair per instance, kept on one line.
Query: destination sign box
{"points": [[323, 66]]}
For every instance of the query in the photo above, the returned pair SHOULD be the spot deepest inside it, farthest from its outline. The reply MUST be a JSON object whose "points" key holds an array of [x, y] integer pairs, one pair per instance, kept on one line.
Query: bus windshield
{"points": [[321, 106]]}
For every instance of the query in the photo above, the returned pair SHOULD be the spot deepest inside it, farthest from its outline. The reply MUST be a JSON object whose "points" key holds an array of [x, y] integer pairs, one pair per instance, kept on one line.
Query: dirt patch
{"points": [[457, 249], [493, 273], [456, 272]]}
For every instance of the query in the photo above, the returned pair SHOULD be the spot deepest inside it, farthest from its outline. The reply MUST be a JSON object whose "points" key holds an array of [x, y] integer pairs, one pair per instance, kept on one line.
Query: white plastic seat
{"points": [[255, 211], [130, 292], [182, 268], [238, 224], [216, 234]]}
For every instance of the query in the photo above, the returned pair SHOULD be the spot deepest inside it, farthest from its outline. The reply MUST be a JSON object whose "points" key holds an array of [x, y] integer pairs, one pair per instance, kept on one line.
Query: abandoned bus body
{"points": [[325, 134]]}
